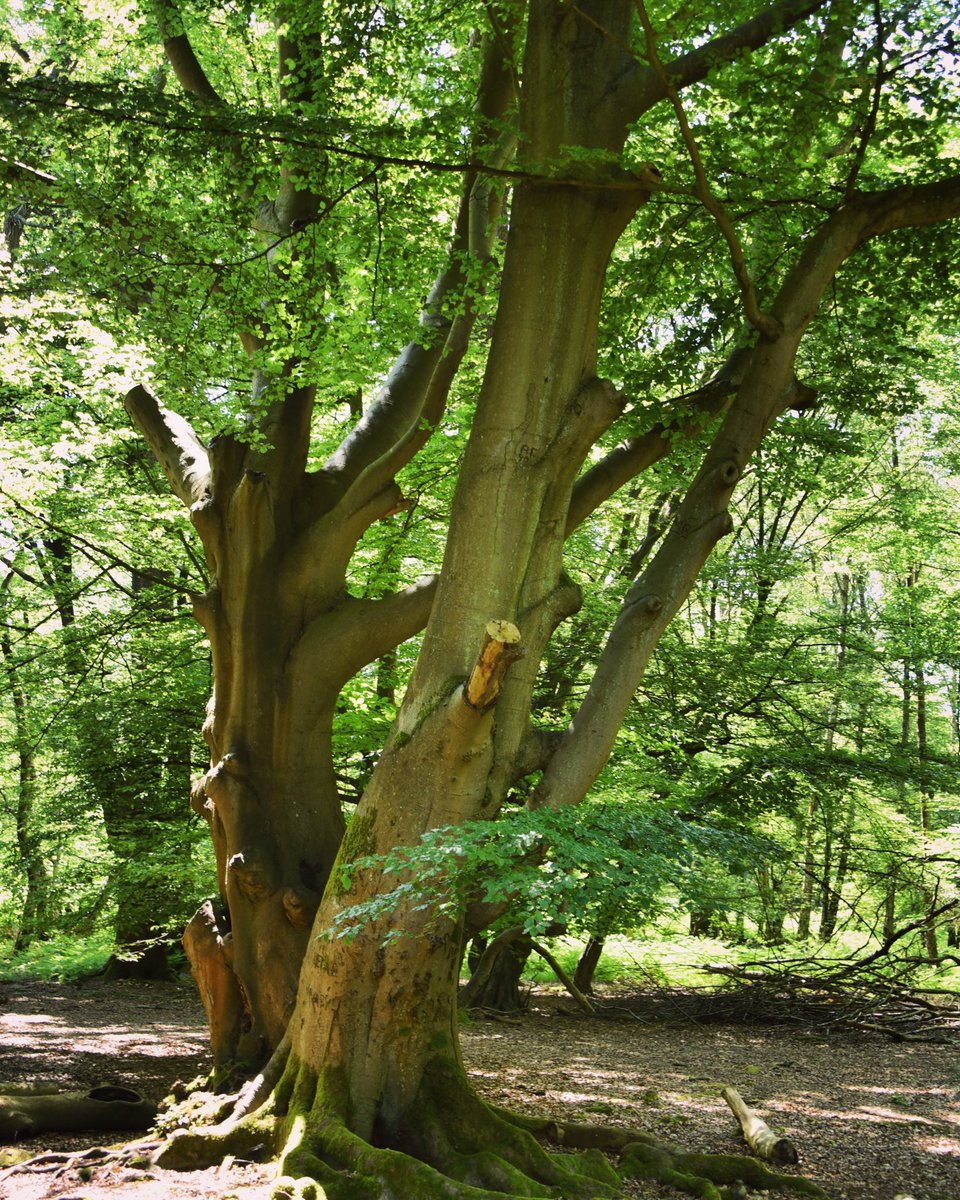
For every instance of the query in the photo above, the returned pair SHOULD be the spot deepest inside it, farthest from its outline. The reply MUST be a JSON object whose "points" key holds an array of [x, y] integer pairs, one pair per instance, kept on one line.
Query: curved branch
{"points": [[636, 454], [866, 216], [175, 446], [758, 319], [364, 632]]}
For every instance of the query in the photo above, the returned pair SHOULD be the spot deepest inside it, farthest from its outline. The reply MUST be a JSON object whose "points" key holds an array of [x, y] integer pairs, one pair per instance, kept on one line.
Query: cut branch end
{"points": [[501, 647]]}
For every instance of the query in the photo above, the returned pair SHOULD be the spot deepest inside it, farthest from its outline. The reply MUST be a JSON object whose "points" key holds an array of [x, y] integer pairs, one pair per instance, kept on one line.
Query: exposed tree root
{"points": [[703, 1174], [453, 1147]]}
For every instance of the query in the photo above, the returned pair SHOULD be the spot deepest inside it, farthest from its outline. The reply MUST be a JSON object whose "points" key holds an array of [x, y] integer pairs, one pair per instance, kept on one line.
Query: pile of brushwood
{"points": [[874, 992]]}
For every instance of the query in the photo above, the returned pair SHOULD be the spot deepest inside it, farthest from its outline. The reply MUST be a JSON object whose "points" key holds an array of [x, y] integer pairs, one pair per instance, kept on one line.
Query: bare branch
{"points": [[870, 125], [369, 630]]}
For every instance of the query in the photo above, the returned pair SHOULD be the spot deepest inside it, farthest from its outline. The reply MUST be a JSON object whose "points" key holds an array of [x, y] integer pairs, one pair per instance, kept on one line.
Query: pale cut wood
{"points": [[501, 647], [758, 1135]]}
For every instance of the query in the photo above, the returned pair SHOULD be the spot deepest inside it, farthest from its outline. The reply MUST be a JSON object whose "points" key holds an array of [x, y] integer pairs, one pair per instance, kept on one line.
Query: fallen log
{"points": [[26, 1112], [758, 1135]]}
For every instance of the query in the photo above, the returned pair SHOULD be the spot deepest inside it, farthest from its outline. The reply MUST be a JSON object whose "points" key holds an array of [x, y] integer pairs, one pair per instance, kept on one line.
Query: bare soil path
{"points": [[873, 1120]]}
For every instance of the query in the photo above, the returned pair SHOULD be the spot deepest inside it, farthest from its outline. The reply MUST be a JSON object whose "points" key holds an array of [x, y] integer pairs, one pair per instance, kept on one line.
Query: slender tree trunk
{"points": [[890, 906], [926, 821], [834, 891], [34, 911], [587, 965], [809, 869]]}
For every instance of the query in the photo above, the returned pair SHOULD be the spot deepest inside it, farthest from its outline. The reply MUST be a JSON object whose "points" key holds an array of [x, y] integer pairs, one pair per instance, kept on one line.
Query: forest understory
{"points": [[873, 1119]]}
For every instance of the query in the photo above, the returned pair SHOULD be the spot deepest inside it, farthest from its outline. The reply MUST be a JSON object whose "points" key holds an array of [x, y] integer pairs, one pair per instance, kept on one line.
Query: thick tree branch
{"points": [[176, 447], [367, 631], [641, 89], [413, 398], [180, 53], [703, 517], [866, 216], [635, 454]]}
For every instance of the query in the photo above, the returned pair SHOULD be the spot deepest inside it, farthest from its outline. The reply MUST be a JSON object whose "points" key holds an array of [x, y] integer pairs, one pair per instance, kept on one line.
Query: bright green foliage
{"points": [[599, 869]]}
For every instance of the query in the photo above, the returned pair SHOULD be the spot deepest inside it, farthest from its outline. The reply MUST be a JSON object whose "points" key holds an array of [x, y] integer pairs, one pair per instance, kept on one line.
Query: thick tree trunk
{"points": [[539, 410], [272, 805], [500, 989]]}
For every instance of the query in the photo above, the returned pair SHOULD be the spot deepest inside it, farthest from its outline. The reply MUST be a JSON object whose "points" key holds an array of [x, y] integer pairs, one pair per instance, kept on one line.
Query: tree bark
{"points": [[24, 1113], [587, 965]]}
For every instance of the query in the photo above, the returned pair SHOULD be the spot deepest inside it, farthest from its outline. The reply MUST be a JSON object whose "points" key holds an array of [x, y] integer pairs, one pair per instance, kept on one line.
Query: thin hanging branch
{"points": [[761, 321]]}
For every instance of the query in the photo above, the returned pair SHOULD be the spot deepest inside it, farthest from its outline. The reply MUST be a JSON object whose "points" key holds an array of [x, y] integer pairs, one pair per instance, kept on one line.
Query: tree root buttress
{"points": [[452, 1146]]}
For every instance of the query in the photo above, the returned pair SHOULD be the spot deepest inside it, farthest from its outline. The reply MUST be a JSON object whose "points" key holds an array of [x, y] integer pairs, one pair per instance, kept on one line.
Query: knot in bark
{"points": [[648, 605], [729, 472], [299, 907]]}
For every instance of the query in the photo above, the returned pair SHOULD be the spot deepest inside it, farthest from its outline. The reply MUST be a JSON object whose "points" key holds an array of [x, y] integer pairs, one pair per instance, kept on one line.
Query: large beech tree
{"points": [[364, 1093]]}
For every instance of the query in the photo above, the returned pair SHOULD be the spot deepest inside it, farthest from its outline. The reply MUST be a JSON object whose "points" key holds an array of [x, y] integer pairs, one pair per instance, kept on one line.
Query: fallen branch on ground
{"points": [[757, 1133]]}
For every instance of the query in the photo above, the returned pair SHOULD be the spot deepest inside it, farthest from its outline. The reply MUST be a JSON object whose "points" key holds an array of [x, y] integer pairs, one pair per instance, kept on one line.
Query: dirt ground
{"points": [[873, 1120]]}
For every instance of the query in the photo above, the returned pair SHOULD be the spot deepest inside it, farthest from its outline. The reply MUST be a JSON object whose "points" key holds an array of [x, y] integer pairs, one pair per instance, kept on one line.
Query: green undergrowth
{"points": [[60, 959], [652, 960], [668, 959]]}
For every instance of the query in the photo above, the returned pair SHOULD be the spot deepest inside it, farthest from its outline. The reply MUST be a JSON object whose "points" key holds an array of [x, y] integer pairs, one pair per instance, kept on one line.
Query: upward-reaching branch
{"points": [[413, 398], [703, 518], [180, 53]]}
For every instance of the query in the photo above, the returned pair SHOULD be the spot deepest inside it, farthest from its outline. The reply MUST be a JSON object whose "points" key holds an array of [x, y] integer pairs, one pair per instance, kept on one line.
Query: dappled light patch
{"points": [[659, 1078]]}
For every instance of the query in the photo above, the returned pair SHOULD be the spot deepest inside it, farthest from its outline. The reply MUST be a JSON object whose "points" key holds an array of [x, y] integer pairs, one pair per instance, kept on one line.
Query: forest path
{"points": [[873, 1120]]}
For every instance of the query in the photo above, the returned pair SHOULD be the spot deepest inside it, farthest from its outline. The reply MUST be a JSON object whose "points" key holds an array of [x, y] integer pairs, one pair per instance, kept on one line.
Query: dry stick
{"points": [[758, 1135], [766, 324]]}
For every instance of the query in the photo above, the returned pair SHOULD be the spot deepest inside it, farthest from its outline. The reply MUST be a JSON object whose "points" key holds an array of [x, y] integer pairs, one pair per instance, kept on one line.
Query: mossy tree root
{"points": [[708, 1175], [453, 1147]]}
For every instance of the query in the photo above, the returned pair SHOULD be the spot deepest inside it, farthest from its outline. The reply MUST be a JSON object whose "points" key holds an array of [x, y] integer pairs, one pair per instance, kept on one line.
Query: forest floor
{"points": [[873, 1120]]}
